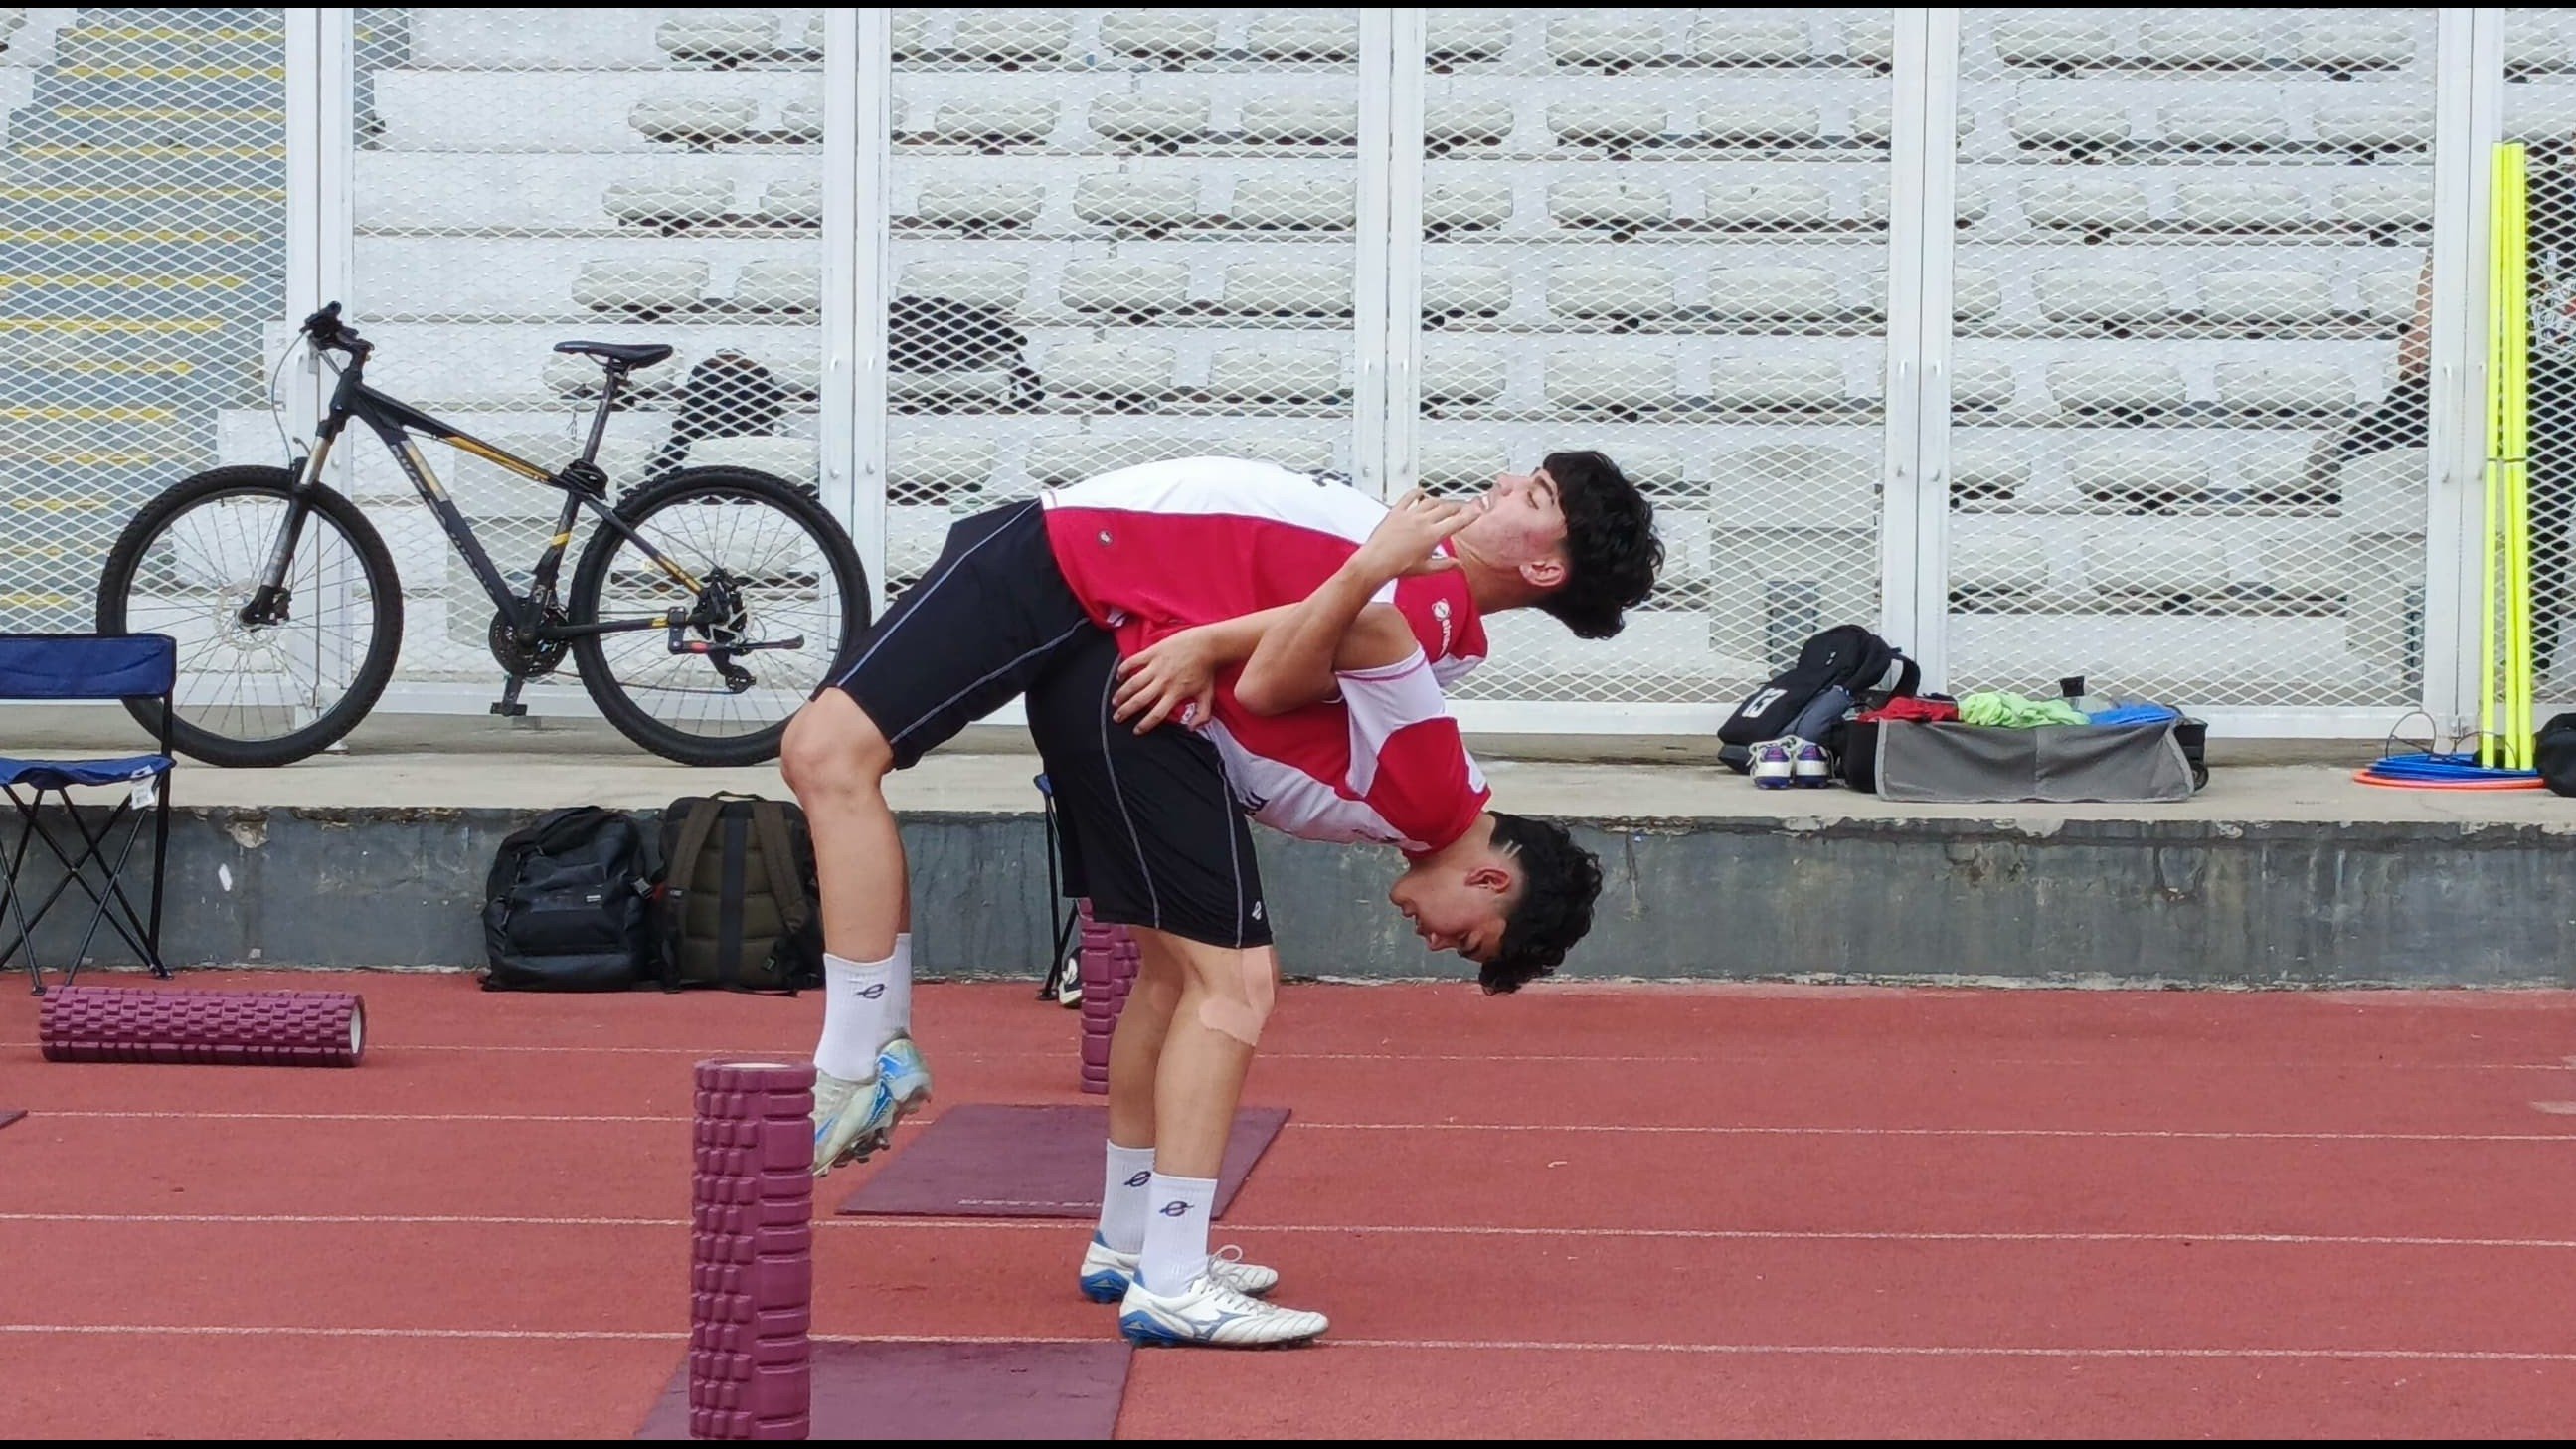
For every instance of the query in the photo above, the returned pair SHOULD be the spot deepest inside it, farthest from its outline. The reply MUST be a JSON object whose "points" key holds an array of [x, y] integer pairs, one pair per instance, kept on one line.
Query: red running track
{"points": [[1584, 1211]]}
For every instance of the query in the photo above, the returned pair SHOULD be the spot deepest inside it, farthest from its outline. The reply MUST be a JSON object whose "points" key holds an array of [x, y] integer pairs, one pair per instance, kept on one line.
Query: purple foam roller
{"points": [[203, 1028], [1108, 966], [751, 1251]]}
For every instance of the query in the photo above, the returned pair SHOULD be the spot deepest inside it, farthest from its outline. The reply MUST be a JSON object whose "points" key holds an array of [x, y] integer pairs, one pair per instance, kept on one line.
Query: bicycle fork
{"points": [[270, 599]]}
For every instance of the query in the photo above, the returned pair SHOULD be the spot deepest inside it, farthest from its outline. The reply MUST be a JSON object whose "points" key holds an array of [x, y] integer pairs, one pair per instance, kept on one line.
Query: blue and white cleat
{"points": [[1209, 1313], [907, 1077], [1107, 1273], [852, 1120]]}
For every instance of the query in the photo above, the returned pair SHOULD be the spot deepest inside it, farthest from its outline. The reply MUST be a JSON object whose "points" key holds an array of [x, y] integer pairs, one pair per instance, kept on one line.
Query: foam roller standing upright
{"points": [[1108, 967], [751, 1252]]}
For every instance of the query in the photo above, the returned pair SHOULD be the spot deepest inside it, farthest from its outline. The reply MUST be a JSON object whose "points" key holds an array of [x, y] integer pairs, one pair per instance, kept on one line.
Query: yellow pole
{"points": [[2494, 470], [2517, 455]]}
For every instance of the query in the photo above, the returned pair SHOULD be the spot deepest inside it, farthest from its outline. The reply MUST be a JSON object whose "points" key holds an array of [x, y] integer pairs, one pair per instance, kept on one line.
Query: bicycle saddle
{"points": [[632, 354]]}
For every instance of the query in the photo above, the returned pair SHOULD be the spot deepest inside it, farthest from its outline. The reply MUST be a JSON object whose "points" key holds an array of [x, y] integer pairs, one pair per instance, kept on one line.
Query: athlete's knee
{"points": [[833, 749], [1239, 989]]}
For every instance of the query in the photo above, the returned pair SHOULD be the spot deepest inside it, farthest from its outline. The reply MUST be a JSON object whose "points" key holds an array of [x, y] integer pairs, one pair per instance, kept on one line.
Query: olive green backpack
{"points": [[737, 907]]}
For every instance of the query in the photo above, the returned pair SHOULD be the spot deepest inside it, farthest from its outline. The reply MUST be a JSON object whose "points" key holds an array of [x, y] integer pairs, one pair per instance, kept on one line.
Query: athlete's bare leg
{"points": [[836, 761]]}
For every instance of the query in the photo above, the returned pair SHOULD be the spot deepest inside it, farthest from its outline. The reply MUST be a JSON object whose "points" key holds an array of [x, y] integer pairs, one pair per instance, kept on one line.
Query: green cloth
{"points": [[1997, 707]]}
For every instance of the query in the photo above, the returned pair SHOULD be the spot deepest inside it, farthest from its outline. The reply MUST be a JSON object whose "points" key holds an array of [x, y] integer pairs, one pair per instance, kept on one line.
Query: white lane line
{"points": [[1783, 1350], [1070, 1226]]}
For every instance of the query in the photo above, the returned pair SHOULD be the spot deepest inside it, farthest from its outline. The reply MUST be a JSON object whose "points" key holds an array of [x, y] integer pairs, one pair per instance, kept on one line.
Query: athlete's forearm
{"points": [[1292, 665], [1231, 641]]}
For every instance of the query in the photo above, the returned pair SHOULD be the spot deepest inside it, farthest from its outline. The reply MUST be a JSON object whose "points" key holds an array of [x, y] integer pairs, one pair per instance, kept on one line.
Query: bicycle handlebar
{"points": [[324, 329]]}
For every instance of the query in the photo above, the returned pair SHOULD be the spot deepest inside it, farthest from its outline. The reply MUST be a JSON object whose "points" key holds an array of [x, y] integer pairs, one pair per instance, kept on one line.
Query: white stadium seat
{"points": [[1453, 467], [1775, 384], [1876, 125], [1464, 378], [802, 121], [2206, 42], [2547, 116], [1968, 204], [1011, 37], [2083, 127], [1609, 205], [919, 465], [979, 205], [1870, 41], [2154, 568], [769, 286], [996, 122], [1466, 205], [2276, 472], [2119, 387], [1303, 205], [2301, 568], [1159, 34], [978, 283], [1751, 123], [669, 203], [1459, 37], [1150, 120], [1975, 294], [1987, 470], [1998, 566], [641, 287], [2103, 295], [2284, 387], [1137, 288], [1466, 289], [1069, 458], [1981, 383], [1128, 199], [1766, 204], [2240, 206], [2375, 125], [2222, 125], [2060, 40], [815, 30], [1621, 290], [1108, 370], [1744, 483], [1606, 123], [1289, 289], [1267, 375], [2087, 204], [799, 371], [1297, 455], [692, 121], [1750, 37], [1654, 468], [1449, 125], [798, 460], [1607, 41], [1626, 381], [2131, 473], [717, 35], [2385, 205], [2356, 42], [2272, 294], [792, 203], [1772, 294], [909, 31], [1300, 121], [2534, 47], [2390, 296], [1309, 35]]}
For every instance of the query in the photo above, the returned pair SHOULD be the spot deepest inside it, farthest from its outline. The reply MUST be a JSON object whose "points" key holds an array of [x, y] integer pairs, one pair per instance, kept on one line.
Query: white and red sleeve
{"points": [[1407, 758]]}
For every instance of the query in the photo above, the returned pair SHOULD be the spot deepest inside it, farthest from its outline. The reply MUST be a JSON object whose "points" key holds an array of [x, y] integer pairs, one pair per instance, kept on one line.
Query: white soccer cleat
{"points": [[851, 1119], [1208, 1312], [1108, 1273], [907, 1077]]}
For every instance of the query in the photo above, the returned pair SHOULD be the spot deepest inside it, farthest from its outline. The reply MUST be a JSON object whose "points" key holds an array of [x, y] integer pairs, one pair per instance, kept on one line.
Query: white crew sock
{"points": [[1124, 1201], [854, 1001], [1176, 1231], [898, 996]]}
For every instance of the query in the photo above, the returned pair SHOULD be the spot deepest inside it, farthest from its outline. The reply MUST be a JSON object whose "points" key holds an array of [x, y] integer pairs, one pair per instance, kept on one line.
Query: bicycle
{"points": [[252, 568]]}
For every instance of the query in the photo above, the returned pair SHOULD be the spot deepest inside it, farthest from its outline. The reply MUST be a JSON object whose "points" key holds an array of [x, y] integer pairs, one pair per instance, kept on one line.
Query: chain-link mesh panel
{"points": [[1663, 234], [143, 246], [1119, 237], [2540, 111], [2188, 405], [529, 177]]}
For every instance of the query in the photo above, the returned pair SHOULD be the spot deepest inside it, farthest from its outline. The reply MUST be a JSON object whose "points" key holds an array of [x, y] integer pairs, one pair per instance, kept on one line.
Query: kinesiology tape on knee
{"points": [[1243, 1019]]}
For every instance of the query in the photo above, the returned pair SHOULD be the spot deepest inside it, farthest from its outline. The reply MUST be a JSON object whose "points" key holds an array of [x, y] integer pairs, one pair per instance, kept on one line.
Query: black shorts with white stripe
{"points": [[1147, 825], [991, 617]]}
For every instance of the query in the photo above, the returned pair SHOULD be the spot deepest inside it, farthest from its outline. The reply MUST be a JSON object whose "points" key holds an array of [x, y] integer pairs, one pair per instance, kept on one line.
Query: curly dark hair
{"points": [[1611, 552], [1559, 882]]}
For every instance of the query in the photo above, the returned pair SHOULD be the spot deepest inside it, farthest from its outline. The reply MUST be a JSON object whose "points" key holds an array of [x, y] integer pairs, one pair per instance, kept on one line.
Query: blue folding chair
{"points": [[83, 667]]}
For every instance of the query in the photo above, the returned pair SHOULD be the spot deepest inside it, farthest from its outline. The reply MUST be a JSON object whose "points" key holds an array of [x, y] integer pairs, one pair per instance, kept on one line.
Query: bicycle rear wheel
{"points": [[269, 693], [773, 570]]}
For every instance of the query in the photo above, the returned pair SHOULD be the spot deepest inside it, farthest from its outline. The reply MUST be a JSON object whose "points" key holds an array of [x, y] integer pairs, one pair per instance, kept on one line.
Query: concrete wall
{"points": [[2188, 902]]}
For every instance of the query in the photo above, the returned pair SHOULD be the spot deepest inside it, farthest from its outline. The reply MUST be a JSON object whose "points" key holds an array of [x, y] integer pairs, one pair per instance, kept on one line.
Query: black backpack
{"points": [[564, 907], [1835, 670], [737, 904], [727, 395], [2554, 752], [942, 334]]}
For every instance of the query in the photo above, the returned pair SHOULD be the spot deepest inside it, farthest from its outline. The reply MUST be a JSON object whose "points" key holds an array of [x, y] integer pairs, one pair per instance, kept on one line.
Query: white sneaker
{"points": [[851, 1119], [1208, 1312], [1108, 1273]]}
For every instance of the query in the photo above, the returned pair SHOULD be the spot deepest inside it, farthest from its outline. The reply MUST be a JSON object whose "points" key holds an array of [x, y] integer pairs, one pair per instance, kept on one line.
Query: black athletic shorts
{"points": [[1148, 828]]}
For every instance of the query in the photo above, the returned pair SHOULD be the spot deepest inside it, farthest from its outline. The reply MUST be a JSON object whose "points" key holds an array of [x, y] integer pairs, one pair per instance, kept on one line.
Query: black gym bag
{"points": [[564, 905], [1835, 670]]}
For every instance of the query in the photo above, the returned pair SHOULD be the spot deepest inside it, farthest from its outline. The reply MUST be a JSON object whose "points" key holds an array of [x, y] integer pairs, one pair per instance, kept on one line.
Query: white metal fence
{"points": [[2146, 343]]}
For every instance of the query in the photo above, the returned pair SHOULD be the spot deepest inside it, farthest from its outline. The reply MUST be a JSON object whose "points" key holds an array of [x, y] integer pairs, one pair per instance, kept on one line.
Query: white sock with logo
{"points": [[1124, 1203], [898, 997], [1176, 1231], [854, 1004]]}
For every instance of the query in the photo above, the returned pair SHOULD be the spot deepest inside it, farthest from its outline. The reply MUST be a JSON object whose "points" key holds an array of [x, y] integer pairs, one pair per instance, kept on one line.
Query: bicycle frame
{"points": [[395, 423]]}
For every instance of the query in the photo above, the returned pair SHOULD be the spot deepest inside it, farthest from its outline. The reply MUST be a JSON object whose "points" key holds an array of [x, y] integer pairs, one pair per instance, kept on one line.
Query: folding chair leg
{"points": [[110, 904], [17, 908]]}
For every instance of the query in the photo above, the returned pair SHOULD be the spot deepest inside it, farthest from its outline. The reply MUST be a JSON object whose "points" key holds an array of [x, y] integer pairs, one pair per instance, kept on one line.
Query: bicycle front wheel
{"points": [[776, 600]]}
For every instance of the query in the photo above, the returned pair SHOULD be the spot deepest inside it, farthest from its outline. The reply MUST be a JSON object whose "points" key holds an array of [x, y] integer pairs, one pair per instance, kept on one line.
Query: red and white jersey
{"points": [[1382, 763], [1159, 548]]}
